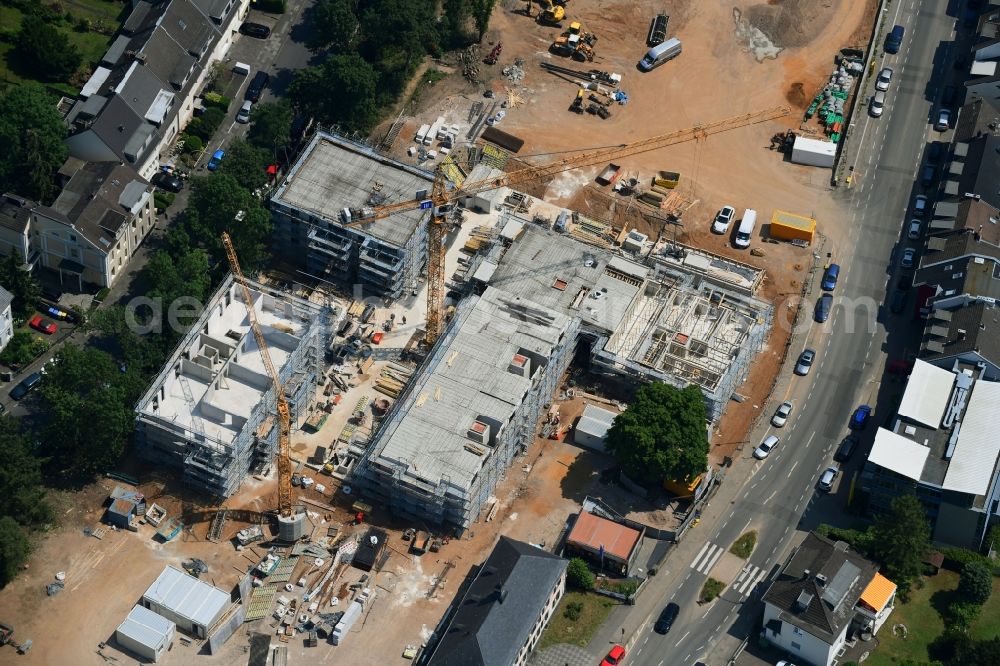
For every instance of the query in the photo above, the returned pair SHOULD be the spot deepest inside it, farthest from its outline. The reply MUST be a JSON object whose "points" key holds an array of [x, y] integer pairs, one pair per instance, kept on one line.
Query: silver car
{"points": [[877, 105], [908, 257], [827, 478], [805, 361], [781, 414], [884, 77], [765, 448]]}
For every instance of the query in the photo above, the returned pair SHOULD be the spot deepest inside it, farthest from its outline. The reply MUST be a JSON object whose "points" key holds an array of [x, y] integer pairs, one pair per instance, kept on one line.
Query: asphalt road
{"points": [[779, 499]]}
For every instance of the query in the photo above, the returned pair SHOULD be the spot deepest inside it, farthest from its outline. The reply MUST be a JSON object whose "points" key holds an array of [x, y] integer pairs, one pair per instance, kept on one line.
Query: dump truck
{"points": [[666, 179], [792, 227], [609, 175]]}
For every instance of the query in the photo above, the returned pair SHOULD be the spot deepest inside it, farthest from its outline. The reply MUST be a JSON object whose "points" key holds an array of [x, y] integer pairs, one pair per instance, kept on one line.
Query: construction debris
{"points": [[513, 73]]}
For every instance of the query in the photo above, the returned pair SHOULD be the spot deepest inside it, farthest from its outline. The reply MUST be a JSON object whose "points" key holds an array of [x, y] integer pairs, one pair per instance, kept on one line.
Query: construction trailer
{"points": [[789, 226], [191, 604], [472, 407], [813, 152], [312, 206], [211, 412], [145, 634]]}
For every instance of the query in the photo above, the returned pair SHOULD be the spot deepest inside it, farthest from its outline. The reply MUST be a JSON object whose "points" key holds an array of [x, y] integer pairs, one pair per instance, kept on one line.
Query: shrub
{"points": [[962, 614], [193, 144], [214, 99], [976, 583], [711, 589], [574, 610], [579, 575], [270, 6], [22, 348], [956, 558], [162, 200], [102, 294], [743, 546], [858, 539]]}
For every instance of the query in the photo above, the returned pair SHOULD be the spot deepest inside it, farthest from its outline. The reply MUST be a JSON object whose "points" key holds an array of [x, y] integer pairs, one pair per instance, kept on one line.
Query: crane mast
{"points": [[284, 415]]}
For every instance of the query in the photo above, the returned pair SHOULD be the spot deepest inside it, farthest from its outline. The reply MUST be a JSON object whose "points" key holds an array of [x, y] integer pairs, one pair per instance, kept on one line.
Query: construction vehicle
{"points": [[566, 43], [494, 55], [444, 193], [286, 521], [577, 105], [554, 12]]}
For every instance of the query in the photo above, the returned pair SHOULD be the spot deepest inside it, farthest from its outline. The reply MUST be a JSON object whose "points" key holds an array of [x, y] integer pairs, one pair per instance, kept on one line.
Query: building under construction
{"points": [[211, 411], [452, 434], [684, 317], [336, 181]]}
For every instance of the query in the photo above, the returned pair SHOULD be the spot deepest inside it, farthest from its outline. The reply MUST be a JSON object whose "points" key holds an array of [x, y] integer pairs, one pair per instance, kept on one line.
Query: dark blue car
{"points": [[823, 307], [860, 417], [830, 277]]}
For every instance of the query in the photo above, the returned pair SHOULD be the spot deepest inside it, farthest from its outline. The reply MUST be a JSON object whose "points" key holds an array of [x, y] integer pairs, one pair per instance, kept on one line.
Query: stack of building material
{"points": [[393, 379], [433, 132]]}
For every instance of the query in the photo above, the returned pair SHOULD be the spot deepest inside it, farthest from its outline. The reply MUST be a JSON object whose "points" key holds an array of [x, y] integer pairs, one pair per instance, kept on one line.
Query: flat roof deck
{"points": [[334, 173]]}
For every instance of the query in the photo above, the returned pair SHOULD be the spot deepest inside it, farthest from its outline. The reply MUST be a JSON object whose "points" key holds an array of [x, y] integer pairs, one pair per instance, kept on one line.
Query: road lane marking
{"points": [[681, 640], [789, 475]]}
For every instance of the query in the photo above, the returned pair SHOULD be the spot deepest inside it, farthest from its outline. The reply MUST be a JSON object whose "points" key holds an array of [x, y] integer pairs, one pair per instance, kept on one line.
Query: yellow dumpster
{"points": [[789, 226], [667, 179]]}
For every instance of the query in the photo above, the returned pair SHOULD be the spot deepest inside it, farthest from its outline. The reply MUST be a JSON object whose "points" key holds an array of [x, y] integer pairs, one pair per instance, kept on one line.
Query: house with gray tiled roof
{"points": [[505, 606]]}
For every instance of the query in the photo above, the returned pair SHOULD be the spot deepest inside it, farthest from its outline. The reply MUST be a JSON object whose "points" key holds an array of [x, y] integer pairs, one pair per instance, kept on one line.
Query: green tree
{"points": [[481, 11], [981, 653], [453, 26], [214, 205], [88, 401], [336, 26], [14, 549], [44, 51], [21, 284], [976, 584], [247, 164], [31, 133], [22, 495], [271, 125], [962, 614], [661, 435], [579, 575], [22, 348], [900, 539], [343, 90]]}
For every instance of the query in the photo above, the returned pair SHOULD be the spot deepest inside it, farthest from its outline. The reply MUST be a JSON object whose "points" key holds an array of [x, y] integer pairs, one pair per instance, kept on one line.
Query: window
{"points": [[796, 646], [72, 238]]}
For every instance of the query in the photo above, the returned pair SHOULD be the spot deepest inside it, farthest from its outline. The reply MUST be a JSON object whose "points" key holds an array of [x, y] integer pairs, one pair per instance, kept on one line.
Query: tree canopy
{"points": [[44, 51], [215, 203], [900, 539], [32, 133], [22, 495], [336, 26], [13, 549], [247, 164], [343, 90], [20, 283], [976, 583], [579, 575], [271, 125], [662, 434]]}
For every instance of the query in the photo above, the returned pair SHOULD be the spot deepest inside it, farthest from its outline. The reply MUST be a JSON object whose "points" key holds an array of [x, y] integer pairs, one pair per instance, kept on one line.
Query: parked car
{"points": [[830, 277], [168, 181], [943, 121], [614, 657], [846, 448], [256, 87], [928, 175], [934, 152], [877, 105], [723, 219], [781, 414], [46, 326], [827, 478], [897, 302], [216, 160], [823, 306], [908, 257], [25, 386], [884, 77], [919, 205], [804, 363], [765, 448], [243, 115], [666, 619], [258, 30], [859, 419], [913, 233]]}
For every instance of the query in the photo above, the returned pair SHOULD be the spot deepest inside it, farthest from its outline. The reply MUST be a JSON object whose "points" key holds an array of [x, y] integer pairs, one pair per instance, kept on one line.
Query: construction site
{"points": [[415, 427]]}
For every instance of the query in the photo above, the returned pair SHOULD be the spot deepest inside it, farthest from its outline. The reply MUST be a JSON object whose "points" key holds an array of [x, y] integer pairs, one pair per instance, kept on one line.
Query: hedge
{"points": [[956, 558], [216, 100], [271, 6]]}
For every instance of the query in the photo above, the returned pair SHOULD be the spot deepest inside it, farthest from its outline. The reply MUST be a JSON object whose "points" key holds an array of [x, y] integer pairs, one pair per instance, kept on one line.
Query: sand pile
{"points": [[791, 23]]}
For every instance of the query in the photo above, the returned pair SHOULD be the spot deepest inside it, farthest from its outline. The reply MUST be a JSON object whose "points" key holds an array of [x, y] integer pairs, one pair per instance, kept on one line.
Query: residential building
{"points": [[968, 335], [191, 604], [941, 448], [211, 411], [822, 593], [503, 608], [15, 229], [6, 317], [608, 545], [983, 81], [145, 634], [957, 269], [319, 211], [142, 92], [93, 228], [470, 409]]}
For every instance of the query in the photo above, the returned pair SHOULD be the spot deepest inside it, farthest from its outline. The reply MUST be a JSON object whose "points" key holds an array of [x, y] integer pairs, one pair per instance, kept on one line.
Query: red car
{"points": [[43, 325], [614, 657]]}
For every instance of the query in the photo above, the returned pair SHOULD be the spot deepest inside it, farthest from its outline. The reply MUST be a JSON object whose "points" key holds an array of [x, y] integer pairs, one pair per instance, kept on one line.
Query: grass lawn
{"points": [[922, 617], [563, 630], [743, 546]]}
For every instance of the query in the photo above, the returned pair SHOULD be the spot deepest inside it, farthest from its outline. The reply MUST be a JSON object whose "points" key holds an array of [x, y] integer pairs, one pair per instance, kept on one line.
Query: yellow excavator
{"points": [[554, 12]]}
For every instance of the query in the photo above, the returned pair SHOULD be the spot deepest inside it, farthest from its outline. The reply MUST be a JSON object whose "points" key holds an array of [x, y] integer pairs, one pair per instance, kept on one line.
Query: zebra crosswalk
{"points": [[749, 576], [707, 557]]}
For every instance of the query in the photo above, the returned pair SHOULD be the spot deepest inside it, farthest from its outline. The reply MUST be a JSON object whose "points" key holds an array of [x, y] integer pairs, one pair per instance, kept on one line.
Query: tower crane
{"points": [[284, 415], [441, 197]]}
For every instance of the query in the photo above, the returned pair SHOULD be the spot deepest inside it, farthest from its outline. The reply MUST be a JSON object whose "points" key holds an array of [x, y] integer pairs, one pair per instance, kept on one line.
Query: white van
{"points": [[661, 53], [745, 232], [241, 68]]}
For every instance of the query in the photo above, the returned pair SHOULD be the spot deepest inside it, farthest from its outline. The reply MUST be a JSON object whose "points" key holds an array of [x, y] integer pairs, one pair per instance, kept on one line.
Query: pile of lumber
{"points": [[393, 379], [480, 236]]}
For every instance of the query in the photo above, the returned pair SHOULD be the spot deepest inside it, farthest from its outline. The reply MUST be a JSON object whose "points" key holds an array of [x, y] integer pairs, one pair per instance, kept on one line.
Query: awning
{"points": [[878, 593]]}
